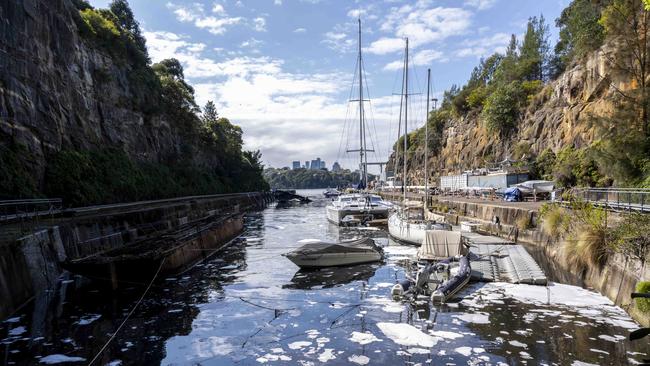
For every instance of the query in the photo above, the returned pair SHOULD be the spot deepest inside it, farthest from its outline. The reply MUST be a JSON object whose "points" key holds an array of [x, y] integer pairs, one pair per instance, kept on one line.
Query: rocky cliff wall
{"points": [[58, 91], [558, 116]]}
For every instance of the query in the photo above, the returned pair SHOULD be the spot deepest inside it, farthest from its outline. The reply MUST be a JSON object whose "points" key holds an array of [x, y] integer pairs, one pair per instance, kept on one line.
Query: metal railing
{"points": [[617, 199]]}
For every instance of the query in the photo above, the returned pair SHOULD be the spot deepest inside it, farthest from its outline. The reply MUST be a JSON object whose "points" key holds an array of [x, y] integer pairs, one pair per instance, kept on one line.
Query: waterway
{"points": [[248, 305]]}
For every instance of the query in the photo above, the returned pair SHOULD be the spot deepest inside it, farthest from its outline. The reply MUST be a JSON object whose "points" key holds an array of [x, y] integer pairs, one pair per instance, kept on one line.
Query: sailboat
{"points": [[410, 223], [362, 207]]}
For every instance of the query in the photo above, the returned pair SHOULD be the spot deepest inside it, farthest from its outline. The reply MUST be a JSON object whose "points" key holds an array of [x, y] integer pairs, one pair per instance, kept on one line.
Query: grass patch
{"points": [[641, 303]]}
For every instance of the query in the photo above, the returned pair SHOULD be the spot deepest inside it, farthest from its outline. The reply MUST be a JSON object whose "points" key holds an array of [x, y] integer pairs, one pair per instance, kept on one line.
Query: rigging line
{"points": [[264, 307], [374, 123], [128, 315], [347, 112]]}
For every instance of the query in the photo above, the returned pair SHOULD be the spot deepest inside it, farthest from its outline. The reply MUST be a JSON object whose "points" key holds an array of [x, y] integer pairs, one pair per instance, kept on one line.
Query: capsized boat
{"points": [[357, 208], [321, 254], [440, 279]]}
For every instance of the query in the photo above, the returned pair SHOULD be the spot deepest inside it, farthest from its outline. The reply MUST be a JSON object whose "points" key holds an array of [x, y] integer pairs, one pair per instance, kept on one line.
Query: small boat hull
{"points": [[334, 259], [320, 254], [411, 232]]}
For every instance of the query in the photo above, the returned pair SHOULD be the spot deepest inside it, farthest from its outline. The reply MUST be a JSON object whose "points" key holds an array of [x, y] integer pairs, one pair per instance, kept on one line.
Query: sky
{"points": [[284, 70]]}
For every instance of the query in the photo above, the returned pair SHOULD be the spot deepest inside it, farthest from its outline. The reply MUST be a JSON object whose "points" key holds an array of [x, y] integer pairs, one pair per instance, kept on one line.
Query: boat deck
{"points": [[495, 259]]}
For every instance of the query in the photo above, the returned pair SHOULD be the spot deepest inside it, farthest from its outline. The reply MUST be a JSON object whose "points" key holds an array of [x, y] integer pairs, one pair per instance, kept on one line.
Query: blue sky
{"points": [[283, 69]]}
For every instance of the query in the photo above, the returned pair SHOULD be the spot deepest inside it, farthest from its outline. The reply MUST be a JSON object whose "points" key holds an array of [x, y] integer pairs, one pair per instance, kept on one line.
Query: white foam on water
{"points": [[363, 338], [465, 351], [57, 358], [581, 363], [407, 335], [418, 351], [359, 359], [384, 284], [476, 318], [327, 355], [599, 351], [12, 320], [17, 331], [299, 345], [518, 344], [446, 335]]}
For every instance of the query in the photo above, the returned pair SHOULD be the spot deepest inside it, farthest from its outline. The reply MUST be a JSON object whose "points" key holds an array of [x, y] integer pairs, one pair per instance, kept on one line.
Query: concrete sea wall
{"points": [[31, 263], [616, 278]]}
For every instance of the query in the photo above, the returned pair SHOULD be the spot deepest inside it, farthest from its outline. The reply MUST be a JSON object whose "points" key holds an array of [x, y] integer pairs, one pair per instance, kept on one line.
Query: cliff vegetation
{"points": [[576, 113]]}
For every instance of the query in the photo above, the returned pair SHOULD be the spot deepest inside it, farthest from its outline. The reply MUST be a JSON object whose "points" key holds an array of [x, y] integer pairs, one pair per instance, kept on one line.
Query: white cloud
{"points": [[251, 43], [259, 24], [420, 58], [299, 30], [215, 24], [218, 9], [338, 42], [484, 46], [421, 24], [384, 45], [277, 2], [356, 13], [481, 4]]}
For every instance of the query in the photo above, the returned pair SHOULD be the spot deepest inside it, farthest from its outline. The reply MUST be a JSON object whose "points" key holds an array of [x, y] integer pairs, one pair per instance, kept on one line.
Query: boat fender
{"points": [[399, 289]]}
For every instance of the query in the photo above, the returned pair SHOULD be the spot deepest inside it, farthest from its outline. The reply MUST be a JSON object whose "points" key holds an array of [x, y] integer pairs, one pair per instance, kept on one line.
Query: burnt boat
{"points": [[164, 254]]}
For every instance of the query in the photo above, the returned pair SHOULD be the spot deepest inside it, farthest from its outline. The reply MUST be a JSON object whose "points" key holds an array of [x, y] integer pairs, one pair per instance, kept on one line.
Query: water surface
{"points": [[248, 305]]}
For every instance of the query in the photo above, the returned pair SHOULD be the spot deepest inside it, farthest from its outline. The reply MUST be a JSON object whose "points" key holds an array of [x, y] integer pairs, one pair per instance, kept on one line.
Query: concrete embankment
{"points": [[31, 263], [616, 278]]}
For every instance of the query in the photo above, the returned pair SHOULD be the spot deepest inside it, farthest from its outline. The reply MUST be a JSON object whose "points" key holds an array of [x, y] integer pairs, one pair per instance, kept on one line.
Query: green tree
{"points": [[501, 109], [627, 22], [127, 21], [534, 50], [580, 31]]}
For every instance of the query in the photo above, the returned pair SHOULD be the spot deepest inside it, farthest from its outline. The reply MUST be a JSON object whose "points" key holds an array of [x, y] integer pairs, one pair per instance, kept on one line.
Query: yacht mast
{"points": [[363, 159], [406, 113], [426, 144]]}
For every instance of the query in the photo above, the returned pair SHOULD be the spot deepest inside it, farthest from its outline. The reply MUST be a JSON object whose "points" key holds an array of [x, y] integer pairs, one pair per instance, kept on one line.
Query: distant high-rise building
{"points": [[315, 164], [322, 165], [307, 164], [296, 164], [336, 167]]}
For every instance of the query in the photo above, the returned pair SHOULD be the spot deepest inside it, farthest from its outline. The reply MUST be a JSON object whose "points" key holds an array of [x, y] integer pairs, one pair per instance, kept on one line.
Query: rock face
{"points": [[560, 115], [57, 91]]}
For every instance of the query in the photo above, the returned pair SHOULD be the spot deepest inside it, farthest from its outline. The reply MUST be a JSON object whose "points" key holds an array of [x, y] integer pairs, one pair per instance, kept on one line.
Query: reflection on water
{"points": [[249, 305]]}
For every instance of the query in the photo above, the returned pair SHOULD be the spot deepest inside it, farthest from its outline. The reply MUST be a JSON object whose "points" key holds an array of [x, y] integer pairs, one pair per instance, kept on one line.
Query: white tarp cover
{"points": [[428, 215], [439, 244]]}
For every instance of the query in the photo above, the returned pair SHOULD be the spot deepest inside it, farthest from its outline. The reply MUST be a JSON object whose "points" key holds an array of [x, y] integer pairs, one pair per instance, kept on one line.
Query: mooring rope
{"points": [[128, 315]]}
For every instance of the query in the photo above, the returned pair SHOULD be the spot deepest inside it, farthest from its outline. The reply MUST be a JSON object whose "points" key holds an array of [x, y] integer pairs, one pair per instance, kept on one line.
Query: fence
{"points": [[618, 199]]}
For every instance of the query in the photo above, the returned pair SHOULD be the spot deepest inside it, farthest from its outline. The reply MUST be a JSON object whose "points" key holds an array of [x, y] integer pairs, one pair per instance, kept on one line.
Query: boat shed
{"points": [[493, 180]]}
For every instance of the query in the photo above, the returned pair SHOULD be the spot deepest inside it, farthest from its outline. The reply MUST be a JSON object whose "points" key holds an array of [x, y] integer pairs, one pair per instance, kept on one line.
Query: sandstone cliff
{"points": [[561, 114]]}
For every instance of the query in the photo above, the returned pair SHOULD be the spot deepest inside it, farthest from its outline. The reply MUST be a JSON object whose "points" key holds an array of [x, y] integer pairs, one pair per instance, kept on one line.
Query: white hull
{"points": [[412, 232], [409, 232], [334, 259]]}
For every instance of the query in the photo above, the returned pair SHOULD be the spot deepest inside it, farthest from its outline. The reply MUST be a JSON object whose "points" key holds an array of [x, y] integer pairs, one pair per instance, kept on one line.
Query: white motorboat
{"points": [[321, 254], [331, 192], [357, 208]]}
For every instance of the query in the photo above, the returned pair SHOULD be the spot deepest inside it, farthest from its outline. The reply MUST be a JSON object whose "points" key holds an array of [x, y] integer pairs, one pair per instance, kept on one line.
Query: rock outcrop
{"points": [[561, 114], [58, 91]]}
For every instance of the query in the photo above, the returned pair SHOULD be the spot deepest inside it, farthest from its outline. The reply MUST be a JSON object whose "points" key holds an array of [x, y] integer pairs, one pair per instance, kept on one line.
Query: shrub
{"points": [[477, 97], [501, 109], [587, 242], [16, 179], [641, 303], [632, 236], [524, 222], [544, 164], [554, 220]]}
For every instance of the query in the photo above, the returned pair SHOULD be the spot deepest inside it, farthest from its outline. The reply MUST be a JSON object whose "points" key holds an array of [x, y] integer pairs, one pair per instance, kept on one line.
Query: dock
{"points": [[495, 259]]}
